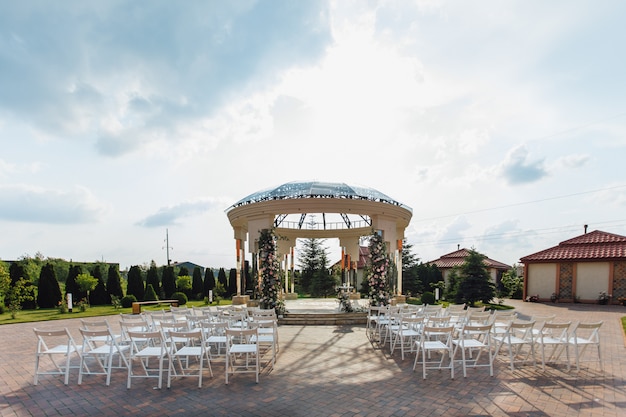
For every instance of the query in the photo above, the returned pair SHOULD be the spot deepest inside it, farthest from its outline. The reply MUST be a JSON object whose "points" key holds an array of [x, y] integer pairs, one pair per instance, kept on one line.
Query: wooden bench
{"points": [[137, 304]]}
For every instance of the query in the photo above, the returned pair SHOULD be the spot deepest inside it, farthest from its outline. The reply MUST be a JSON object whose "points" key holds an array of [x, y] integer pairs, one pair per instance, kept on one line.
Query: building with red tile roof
{"points": [[447, 262], [578, 269]]}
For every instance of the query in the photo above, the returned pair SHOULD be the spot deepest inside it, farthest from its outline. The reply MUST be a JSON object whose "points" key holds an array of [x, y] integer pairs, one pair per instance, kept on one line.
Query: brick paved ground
{"points": [[330, 371]]}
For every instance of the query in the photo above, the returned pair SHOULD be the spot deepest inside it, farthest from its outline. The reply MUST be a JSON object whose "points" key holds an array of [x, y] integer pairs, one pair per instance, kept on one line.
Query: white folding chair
{"points": [[51, 343], [474, 338], [266, 338], [180, 354], [516, 336], [438, 340], [100, 346], [407, 334], [374, 313], [586, 335], [214, 337], [242, 353], [554, 335], [143, 347]]}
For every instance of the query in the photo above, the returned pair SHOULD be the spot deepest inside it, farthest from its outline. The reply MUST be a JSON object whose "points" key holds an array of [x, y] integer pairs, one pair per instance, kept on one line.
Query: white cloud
{"points": [[518, 169], [167, 216], [23, 203]]}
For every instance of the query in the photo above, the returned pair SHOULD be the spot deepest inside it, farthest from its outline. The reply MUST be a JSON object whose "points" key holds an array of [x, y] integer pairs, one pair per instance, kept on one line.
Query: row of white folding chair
{"points": [[100, 345], [439, 343], [53, 344]]}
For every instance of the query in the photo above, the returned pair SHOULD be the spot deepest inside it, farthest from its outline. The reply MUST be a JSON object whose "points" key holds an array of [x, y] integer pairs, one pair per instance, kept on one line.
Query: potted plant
{"points": [[603, 298]]}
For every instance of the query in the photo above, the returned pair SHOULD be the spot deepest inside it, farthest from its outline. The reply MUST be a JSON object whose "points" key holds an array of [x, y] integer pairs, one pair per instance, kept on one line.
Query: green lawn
{"points": [[45, 314]]}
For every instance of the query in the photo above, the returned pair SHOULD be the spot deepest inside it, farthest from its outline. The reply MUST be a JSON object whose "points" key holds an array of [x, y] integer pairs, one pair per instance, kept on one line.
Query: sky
{"points": [[502, 124]]}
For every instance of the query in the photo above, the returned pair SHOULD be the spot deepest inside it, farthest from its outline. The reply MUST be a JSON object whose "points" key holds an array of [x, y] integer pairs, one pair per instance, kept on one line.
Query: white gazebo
{"points": [[360, 210]]}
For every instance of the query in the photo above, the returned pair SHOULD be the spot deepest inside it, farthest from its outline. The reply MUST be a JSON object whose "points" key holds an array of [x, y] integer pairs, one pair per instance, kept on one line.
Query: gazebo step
{"points": [[323, 319]]}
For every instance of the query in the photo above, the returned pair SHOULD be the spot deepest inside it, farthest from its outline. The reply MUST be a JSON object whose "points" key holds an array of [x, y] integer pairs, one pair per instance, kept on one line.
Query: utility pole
{"points": [[167, 246]]}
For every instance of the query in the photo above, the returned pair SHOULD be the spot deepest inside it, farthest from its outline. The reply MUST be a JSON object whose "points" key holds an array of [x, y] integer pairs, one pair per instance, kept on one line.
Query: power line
{"points": [[521, 233], [521, 203]]}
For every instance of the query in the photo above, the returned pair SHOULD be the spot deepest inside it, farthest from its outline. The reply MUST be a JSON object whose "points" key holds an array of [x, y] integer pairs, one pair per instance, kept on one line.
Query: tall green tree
{"points": [[222, 279], [99, 295], [209, 281], [232, 282], [196, 283], [49, 293], [114, 282], [16, 272], [168, 281], [411, 283], [135, 283], [183, 271], [313, 264], [71, 287], [152, 278], [474, 280]]}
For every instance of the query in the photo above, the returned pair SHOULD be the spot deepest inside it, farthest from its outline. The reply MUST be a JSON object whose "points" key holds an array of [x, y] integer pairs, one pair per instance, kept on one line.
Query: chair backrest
{"points": [[456, 307], [555, 330], [588, 331], [541, 319], [441, 333], [133, 325], [93, 337], [434, 321], [184, 309], [241, 336], [213, 328], [190, 336], [55, 337], [94, 324], [167, 327], [412, 323], [477, 331], [479, 317], [139, 339]]}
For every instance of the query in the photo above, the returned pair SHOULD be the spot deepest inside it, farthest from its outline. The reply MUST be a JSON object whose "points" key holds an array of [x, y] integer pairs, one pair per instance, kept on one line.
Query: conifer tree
{"points": [[222, 279], [71, 287], [168, 281], [49, 294], [474, 280], [152, 278], [135, 283], [99, 295], [196, 283], [114, 282], [232, 282], [150, 294], [209, 281]]}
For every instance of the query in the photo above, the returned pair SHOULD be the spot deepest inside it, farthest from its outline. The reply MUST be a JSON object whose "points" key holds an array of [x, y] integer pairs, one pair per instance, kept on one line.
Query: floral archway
{"points": [[378, 275], [269, 272]]}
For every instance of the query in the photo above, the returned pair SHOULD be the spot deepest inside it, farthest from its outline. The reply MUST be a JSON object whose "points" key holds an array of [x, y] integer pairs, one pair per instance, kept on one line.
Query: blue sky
{"points": [[502, 124]]}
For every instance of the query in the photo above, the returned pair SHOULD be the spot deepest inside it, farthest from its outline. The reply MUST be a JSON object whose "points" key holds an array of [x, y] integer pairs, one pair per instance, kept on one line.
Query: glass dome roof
{"points": [[317, 189]]}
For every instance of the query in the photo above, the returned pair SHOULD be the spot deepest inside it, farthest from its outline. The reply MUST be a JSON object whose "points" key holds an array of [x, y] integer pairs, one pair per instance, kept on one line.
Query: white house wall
{"points": [[543, 282], [591, 279]]}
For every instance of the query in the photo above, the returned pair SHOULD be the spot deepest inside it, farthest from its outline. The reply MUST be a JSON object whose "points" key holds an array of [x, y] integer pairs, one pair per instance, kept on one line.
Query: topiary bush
{"points": [[128, 301], [181, 297], [428, 298]]}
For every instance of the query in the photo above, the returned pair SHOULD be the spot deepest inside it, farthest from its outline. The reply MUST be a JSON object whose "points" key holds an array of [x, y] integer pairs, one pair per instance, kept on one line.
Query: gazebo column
{"points": [[284, 249], [350, 245], [240, 239], [392, 235]]}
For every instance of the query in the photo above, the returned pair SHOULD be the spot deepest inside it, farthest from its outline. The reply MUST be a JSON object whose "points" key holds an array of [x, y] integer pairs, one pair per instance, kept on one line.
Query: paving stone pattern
{"points": [[330, 371]]}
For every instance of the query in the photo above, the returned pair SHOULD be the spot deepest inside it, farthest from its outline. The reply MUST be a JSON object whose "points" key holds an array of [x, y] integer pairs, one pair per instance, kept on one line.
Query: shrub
{"points": [[181, 297], [150, 294], [128, 301], [428, 298]]}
